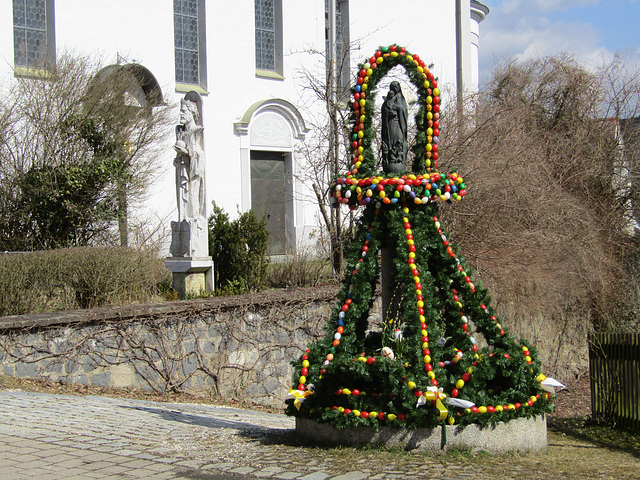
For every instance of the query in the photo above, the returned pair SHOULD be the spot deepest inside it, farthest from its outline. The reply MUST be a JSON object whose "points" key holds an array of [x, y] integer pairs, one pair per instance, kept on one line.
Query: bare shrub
{"points": [[75, 278], [299, 270], [77, 149], [543, 222]]}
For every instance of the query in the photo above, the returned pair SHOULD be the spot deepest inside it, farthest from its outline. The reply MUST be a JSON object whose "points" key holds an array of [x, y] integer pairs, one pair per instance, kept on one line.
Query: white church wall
{"points": [[142, 31], [425, 28]]}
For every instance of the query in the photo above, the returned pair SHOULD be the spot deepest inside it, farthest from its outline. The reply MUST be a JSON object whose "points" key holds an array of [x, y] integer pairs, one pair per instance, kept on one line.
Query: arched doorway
{"points": [[270, 129]]}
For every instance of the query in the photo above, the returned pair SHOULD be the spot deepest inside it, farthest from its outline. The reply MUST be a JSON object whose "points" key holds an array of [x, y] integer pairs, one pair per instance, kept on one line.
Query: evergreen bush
{"points": [[239, 252]]}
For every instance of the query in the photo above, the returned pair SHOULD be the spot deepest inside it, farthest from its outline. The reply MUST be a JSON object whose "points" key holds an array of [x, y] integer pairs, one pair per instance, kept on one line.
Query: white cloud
{"points": [[538, 6], [522, 30], [539, 38], [525, 29]]}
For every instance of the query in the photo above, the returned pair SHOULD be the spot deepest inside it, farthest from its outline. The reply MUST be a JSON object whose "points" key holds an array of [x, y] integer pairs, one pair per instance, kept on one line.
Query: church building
{"points": [[251, 62]]}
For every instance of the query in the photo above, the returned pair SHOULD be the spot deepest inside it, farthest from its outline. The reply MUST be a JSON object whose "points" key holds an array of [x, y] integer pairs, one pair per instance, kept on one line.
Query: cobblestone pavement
{"points": [[44, 436]]}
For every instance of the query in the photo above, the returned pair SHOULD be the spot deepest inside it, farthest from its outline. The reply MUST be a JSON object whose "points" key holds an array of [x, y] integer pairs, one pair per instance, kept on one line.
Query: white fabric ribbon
{"points": [[550, 384], [458, 402]]}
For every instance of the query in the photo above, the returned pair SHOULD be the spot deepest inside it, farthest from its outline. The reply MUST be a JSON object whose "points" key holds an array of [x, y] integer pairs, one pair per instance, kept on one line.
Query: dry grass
{"points": [[82, 277]]}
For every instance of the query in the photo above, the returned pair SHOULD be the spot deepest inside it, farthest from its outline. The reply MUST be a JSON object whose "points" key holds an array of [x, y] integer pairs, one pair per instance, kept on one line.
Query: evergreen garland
{"points": [[413, 370]]}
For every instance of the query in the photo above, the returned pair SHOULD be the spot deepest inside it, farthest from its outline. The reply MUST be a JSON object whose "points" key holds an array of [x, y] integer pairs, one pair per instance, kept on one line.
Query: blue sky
{"points": [[590, 30]]}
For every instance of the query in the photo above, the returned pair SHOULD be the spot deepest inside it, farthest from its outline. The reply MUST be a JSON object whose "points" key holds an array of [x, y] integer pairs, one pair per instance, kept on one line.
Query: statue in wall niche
{"points": [[189, 233], [394, 130]]}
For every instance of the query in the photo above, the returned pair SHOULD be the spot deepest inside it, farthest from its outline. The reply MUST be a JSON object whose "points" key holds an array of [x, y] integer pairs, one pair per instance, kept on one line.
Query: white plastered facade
{"points": [[243, 111]]}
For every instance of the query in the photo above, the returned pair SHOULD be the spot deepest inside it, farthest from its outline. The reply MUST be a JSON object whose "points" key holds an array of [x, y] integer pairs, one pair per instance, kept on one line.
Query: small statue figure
{"points": [[189, 163], [394, 130]]}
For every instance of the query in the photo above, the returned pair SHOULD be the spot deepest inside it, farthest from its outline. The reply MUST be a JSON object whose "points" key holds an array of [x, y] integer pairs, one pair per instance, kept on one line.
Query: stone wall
{"points": [[232, 347]]}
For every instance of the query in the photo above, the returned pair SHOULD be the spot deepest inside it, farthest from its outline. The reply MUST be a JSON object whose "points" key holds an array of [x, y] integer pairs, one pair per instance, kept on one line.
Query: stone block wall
{"points": [[236, 347], [231, 347]]}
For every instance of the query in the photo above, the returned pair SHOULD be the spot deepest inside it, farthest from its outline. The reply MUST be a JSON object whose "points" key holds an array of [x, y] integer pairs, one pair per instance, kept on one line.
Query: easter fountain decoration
{"points": [[422, 377]]}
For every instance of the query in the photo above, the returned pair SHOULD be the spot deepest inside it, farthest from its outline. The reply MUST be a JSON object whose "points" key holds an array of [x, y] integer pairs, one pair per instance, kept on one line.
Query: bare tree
{"points": [[76, 148], [543, 222], [324, 151]]}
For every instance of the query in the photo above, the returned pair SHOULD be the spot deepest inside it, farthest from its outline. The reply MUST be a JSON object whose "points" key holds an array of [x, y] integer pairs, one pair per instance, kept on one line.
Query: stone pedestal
{"points": [[189, 238], [518, 435], [191, 275]]}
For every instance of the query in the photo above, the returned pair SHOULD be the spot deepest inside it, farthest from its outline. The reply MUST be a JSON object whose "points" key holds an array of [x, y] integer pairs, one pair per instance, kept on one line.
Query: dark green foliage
{"points": [[61, 206], [500, 373], [239, 251], [73, 278]]}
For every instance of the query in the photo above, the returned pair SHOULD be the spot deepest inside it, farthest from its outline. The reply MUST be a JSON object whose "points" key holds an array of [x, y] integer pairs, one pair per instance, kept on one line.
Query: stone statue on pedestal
{"points": [[190, 231], [394, 130], [190, 261], [189, 162]]}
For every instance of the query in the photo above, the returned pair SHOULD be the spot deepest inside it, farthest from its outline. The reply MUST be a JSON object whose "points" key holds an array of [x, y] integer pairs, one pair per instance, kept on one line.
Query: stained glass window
{"points": [[189, 42], [269, 35], [33, 33]]}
